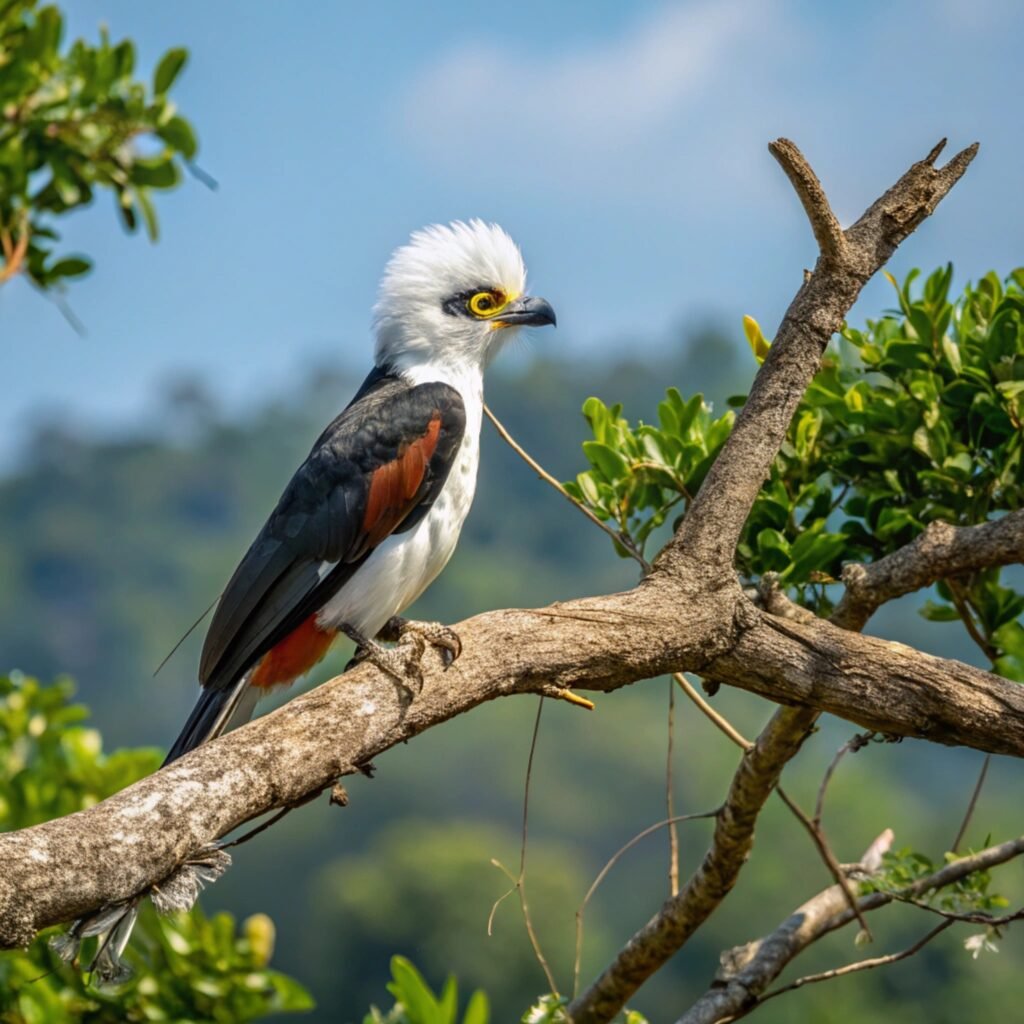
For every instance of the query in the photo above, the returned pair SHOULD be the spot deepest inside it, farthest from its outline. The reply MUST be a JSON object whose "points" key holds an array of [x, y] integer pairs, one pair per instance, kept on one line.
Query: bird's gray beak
{"points": [[527, 311]]}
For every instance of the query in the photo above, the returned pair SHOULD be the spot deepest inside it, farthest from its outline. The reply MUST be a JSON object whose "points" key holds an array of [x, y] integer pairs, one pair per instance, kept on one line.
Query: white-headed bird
{"points": [[374, 512]]}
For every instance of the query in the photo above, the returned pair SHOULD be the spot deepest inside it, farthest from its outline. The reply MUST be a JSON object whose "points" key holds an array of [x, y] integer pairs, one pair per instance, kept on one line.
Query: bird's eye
{"points": [[485, 304]]}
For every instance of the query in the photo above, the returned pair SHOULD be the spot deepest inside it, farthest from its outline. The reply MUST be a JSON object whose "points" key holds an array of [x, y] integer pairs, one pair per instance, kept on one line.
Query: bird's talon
{"points": [[438, 635]]}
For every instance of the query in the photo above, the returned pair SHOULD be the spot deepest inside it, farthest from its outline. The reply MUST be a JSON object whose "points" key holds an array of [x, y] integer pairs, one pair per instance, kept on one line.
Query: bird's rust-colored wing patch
{"points": [[395, 485], [293, 656]]}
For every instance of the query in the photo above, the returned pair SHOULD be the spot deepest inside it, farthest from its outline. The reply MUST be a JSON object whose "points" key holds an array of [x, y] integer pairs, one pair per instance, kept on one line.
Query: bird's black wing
{"points": [[376, 470]]}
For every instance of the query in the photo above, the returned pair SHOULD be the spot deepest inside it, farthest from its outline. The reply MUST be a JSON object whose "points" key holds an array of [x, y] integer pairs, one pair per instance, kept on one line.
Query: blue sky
{"points": [[622, 144]]}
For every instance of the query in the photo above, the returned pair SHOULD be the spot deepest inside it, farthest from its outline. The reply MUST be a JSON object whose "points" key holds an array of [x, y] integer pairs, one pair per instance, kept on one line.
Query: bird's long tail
{"points": [[215, 712]]}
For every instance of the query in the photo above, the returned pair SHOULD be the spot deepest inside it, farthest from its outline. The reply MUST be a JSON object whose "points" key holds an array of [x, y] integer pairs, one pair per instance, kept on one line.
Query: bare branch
{"points": [[747, 971], [941, 552], [814, 664], [610, 863], [616, 535], [827, 232], [716, 517], [667, 932], [814, 830], [861, 965], [852, 745], [971, 804], [687, 615]]}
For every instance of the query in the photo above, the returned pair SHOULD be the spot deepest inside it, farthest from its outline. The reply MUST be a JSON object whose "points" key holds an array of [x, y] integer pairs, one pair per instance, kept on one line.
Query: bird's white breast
{"points": [[405, 564]]}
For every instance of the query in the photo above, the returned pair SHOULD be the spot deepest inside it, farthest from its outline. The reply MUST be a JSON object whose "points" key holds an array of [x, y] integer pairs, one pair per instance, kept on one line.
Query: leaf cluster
{"points": [[968, 895], [913, 419], [71, 123], [187, 966], [639, 474]]}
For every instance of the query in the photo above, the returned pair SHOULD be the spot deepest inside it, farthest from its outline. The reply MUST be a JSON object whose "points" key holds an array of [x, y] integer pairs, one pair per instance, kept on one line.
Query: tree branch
{"points": [[747, 971], [815, 664], [715, 520], [711, 530], [941, 552], [862, 965], [666, 933]]}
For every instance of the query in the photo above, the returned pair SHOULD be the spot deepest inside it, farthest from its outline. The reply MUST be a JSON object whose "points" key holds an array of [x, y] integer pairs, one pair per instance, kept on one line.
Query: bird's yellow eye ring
{"points": [[486, 304]]}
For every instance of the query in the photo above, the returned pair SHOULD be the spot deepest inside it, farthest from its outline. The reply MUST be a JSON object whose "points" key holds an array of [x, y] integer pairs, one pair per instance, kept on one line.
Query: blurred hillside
{"points": [[110, 549]]}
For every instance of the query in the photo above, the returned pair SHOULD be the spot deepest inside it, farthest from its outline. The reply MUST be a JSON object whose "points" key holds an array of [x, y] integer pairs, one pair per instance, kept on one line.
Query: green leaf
{"points": [[177, 132], [148, 214], [952, 353], [606, 460], [410, 989], [588, 488], [935, 612], [478, 1011], [773, 547], [71, 266], [168, 70], [156, 172]]}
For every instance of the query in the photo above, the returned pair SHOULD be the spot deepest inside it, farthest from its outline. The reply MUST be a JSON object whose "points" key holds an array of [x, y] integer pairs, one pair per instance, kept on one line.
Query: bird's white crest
{"points": [[412, 327]]}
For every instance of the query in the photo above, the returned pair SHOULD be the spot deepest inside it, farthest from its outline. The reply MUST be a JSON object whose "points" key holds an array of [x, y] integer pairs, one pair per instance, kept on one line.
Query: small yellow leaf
{"points": [[758, 343]]}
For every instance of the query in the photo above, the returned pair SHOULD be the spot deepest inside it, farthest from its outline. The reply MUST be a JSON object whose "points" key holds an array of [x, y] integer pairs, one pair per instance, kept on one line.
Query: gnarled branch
{"points": [[941, 552], [748, 970]]}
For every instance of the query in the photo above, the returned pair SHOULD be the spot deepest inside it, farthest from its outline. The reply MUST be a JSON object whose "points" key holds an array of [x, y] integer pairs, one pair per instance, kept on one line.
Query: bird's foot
{"points": [[438, 635], [401, 662]]}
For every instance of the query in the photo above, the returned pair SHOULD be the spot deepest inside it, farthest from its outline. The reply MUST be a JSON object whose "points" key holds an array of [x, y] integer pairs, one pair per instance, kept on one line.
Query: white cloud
{"points": [[681, 79]]}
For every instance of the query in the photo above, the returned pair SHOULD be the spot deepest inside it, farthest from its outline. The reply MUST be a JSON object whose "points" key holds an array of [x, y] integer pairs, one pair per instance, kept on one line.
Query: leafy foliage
{"points": [[74, 122], [969, 895], [639, 474], [916, 418], [188, 966], [416, 1002]]}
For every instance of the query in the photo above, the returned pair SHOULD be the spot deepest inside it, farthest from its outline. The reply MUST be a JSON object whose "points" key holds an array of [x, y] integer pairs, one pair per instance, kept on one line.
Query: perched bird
{"points": [[374, 513]]}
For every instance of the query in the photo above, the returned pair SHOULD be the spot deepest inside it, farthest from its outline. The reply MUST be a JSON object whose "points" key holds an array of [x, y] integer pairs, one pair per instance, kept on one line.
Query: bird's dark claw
{"points": [[438, 635]]}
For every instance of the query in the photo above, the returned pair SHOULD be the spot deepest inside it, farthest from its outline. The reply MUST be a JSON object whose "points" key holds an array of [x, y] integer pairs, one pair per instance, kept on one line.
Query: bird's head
{"points": [[451, 297]]}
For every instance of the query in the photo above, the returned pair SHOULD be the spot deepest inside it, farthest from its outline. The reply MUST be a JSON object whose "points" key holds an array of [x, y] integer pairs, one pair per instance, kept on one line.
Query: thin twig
{"points": [[612, 861], [519, 884], [969, 917], [860, 965], [852, 745], [615, 535], [252, 833], [670, 811], [969, 813], [718, 720], [818, 836]]}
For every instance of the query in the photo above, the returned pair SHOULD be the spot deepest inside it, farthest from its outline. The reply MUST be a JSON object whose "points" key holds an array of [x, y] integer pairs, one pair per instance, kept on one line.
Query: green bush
{"points": [[913, 420], [187, 966]]}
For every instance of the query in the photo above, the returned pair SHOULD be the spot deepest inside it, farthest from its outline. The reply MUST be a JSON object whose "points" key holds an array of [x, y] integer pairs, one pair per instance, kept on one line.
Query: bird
{"points": [[374, 512]]}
